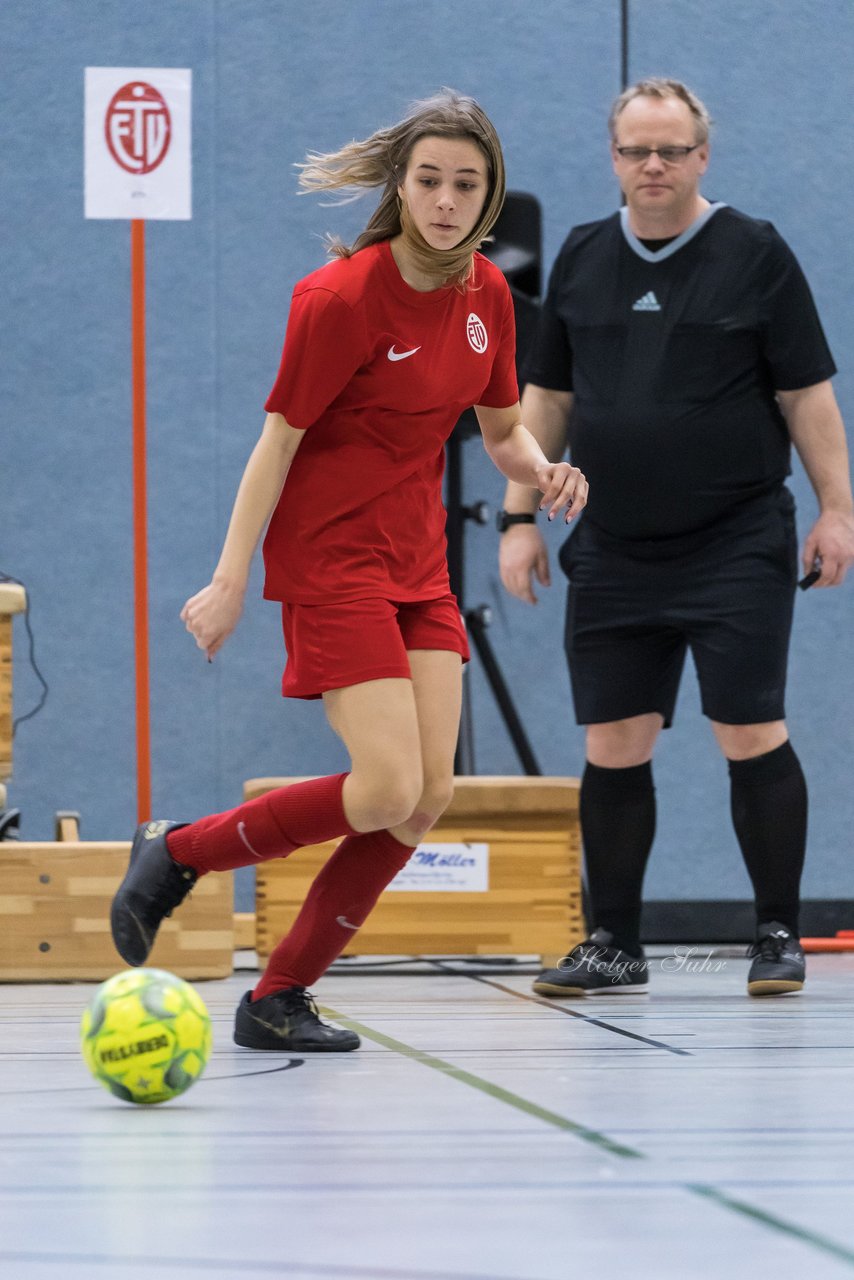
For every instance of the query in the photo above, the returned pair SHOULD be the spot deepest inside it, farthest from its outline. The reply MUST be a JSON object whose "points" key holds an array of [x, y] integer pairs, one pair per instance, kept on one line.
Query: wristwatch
{"points": [[504, 519]]}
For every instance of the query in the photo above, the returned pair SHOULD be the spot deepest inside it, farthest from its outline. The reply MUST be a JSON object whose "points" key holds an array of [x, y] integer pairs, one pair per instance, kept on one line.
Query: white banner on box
{"points": [[445, 868], [137, 143]]}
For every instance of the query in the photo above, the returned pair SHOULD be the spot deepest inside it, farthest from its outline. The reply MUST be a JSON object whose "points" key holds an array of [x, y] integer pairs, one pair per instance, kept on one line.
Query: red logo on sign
{"points": [[138, 127]]}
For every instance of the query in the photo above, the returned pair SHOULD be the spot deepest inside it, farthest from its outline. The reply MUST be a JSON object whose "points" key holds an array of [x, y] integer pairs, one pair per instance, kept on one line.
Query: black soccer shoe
{"points": [[779, 965], [288, 1021], [596, 968], [154, 885]]}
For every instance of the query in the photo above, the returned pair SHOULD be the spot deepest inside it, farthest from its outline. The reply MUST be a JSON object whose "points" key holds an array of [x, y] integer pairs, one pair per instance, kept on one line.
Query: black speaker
{"points": [[517, 250]]}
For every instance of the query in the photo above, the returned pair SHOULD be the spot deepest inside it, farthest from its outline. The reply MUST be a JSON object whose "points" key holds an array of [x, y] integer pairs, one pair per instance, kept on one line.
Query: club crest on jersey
{"points": [[476, 334]]}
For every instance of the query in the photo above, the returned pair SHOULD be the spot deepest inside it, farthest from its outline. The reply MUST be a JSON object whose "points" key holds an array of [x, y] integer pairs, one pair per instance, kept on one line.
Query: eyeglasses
{"points": [[667, 155]]}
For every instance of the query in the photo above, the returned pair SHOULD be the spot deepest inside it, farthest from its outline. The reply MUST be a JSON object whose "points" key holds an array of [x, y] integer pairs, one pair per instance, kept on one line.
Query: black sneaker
{"points": [[154, 885], [288, 1020], [779, 965], [596, 967]]}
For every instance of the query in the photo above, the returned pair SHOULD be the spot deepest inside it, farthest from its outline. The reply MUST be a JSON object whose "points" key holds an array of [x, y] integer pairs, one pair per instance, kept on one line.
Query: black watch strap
{"points": [[504, 519]]}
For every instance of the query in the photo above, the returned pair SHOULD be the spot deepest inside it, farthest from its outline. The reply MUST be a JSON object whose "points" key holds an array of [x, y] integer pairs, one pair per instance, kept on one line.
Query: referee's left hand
{"points": [[562, 486], [830, 543]]}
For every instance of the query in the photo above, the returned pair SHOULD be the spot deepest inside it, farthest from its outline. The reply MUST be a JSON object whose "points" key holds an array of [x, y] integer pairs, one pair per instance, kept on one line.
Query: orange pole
{"points": [[140, 531]]}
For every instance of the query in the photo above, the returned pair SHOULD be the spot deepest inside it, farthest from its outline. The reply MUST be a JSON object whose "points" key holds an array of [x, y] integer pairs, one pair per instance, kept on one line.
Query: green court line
{"points": [[601, 1140], [771, 1220], [493, 1090]]}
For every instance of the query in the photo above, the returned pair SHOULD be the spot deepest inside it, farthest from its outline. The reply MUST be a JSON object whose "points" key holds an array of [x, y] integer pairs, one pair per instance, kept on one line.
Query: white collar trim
{"points": [[652, 255]]}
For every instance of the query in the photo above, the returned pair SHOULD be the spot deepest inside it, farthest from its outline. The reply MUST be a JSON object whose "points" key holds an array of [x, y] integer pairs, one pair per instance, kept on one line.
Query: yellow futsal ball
{"points": [[146, 1035]]}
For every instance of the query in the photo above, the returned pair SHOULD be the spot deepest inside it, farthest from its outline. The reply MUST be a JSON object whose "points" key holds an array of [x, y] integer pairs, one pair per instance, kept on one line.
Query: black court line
{"points": [[240, 1266], [568, 1013], [205, 1079], [264, 1071]]}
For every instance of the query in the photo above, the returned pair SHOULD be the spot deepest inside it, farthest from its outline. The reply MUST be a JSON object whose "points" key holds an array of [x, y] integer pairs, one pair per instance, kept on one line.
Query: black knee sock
{"points": [[617, 829], [769, 812]]}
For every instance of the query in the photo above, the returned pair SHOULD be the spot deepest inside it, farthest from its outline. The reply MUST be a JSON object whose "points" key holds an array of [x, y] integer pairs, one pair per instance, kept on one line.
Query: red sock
{"points": [[338, 903], [270, 826]]}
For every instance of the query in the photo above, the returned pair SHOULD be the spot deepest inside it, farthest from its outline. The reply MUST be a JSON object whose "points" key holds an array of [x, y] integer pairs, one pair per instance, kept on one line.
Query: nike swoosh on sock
{"points": [[241, 831]]}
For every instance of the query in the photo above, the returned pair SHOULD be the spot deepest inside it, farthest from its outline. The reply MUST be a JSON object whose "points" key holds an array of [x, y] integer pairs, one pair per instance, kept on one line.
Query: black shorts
{"points": [[727, 593]]}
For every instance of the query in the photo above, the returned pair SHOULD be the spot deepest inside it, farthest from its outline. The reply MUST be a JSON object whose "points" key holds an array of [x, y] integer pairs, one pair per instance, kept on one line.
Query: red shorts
{"points": [[332, 646]]}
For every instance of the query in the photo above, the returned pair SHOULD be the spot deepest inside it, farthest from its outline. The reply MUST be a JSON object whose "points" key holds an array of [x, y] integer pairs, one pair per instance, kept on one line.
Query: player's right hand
{"points": [[522, 557], [211, 615]]}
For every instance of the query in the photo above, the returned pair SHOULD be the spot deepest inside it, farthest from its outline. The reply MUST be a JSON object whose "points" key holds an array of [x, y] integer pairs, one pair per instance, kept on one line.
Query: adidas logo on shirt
{"points": [[648, 302]]}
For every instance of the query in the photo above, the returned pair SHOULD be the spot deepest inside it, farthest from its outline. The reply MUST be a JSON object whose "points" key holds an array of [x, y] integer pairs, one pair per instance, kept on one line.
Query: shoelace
{"points": [[169, 896], [588, 947], [769, 948], [297, 1000]]}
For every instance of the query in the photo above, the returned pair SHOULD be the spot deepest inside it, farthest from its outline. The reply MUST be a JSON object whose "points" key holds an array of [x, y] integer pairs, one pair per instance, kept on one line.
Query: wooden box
{"points": [[531, 907], [13, 600], [55, 916]]}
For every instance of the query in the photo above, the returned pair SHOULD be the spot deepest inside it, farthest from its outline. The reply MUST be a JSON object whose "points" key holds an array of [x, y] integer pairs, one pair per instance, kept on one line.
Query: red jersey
{"points": [[378, 375]]}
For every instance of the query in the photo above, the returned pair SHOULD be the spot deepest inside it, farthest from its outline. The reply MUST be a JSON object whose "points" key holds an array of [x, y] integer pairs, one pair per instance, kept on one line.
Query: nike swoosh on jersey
{"points": [[401, 355]]}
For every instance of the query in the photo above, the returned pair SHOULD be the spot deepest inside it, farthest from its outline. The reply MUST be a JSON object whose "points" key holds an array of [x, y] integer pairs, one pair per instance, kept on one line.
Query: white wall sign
{"points": [[137, 143], [445, 868]]}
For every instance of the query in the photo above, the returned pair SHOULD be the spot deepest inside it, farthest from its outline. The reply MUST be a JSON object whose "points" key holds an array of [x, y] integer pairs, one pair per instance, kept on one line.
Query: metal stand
{"points": [[477, 620], [515, 248]]}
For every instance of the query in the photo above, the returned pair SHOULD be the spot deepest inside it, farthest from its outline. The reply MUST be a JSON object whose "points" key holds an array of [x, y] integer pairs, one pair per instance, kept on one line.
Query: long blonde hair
{"points": [[381, 160]]}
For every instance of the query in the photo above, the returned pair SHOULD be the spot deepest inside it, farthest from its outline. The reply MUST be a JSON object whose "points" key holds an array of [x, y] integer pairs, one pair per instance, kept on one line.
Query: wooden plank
{"points": [[244, 930], [61, 930], [481, 795], [68, 825], [13, 598], [5, 696]]}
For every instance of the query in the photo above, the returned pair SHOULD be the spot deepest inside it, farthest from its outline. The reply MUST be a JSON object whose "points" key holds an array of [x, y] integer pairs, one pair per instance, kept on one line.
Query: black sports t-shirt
{"points": [[673, 357]]}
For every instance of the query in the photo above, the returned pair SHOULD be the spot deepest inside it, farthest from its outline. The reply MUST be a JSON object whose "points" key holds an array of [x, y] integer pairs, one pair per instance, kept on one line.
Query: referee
{"points": [[679, 355]]}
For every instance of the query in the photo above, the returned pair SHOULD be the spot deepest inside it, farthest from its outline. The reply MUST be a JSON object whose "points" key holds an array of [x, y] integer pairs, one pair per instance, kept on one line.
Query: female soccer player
{"points": [[386, 346]]}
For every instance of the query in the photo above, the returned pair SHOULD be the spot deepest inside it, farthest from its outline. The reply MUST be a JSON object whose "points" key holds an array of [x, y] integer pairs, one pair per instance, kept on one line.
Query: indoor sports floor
{"points": [[481, 1133]]}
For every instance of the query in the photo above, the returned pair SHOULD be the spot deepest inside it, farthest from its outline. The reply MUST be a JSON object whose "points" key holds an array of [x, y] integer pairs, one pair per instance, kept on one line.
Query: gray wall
{"points": [[272, 79]]}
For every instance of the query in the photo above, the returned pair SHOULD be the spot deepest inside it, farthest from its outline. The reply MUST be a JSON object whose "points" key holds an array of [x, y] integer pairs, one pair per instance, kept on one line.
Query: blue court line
{"points": [[186, 1191], [179, 1266]]}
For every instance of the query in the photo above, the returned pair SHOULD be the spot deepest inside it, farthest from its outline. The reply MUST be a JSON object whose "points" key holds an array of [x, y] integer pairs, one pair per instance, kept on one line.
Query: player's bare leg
{"points": [[400, 736]]}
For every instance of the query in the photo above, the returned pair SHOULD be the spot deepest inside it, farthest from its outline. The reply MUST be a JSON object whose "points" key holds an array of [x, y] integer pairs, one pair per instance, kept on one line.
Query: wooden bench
{"points": [[55, 916], [532, 905]]}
